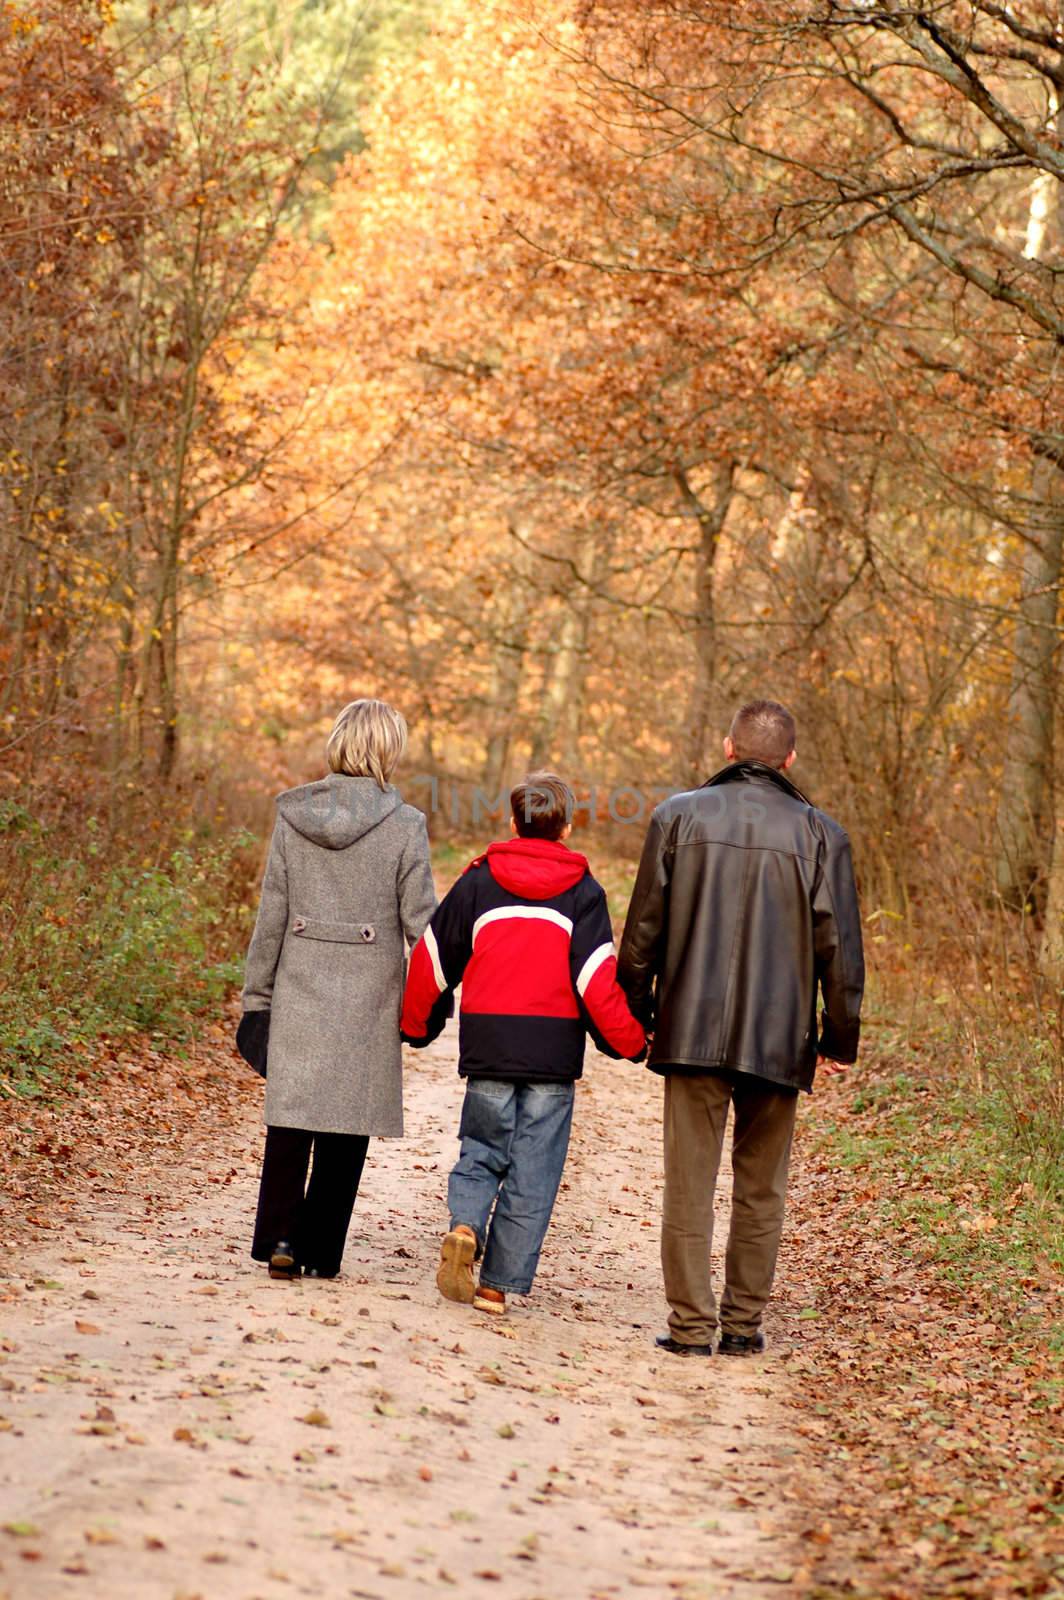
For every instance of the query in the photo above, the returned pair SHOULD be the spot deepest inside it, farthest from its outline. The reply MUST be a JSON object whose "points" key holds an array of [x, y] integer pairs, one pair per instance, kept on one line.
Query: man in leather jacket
{"points": [[744, 906]]}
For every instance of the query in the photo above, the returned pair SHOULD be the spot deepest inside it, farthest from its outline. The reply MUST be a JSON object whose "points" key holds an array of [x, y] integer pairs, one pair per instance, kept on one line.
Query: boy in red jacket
{"points": [[527, 934]]}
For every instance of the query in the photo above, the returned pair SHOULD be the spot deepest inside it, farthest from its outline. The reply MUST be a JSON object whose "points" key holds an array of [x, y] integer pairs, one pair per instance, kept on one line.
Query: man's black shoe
{"points": [[283, 1263], [741, 1344], [315, 1272], [664, 1341]]}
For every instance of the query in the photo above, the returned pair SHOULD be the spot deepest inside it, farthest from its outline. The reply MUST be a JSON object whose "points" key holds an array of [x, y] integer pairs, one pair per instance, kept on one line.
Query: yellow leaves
{"points": [[981, 1222], [316, 1418]]}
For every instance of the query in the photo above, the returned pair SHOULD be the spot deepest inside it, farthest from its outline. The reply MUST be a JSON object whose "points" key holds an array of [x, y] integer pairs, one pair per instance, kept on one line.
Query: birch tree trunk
{"points": [[1025, 800]]}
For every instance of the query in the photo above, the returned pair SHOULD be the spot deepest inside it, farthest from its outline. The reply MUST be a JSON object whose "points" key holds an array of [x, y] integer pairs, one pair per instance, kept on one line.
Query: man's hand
{"points": [[831, 1069]]}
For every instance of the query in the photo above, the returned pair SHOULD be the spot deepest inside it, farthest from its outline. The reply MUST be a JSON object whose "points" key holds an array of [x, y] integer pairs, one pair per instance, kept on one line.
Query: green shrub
{"points": [[102, 945], [961, 1140]]}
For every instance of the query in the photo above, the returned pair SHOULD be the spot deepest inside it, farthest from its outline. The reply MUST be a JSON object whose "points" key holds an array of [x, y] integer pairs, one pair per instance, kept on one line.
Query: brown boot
{"points": [[491, 1300], [454, 1276]]}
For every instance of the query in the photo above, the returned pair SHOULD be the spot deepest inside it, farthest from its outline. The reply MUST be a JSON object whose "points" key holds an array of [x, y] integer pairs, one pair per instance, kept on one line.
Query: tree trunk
{"points": [[505, 685], [1025, 783], [556, 734], [710, 518], [1051, 955], [554, 737], [510, 646]]}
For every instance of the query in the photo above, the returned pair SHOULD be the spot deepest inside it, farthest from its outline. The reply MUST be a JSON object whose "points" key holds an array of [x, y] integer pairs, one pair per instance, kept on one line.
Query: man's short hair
{"points": [[542, 806], [763, 730]]}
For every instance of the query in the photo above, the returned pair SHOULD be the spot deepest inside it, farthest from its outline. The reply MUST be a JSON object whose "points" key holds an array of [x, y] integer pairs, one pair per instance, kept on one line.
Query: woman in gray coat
{"points": [[347, 881]]}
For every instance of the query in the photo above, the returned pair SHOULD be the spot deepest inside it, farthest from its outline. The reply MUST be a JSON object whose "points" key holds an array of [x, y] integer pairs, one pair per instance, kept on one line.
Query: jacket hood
{"points": [[337, 810], [756, 769], [536, 869]]}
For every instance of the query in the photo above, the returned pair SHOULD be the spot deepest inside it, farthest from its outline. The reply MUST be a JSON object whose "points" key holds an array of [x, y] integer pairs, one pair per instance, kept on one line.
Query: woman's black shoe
{"points": [[664, 1341], [283, 1263], [314, 1272], [741, 1344]]}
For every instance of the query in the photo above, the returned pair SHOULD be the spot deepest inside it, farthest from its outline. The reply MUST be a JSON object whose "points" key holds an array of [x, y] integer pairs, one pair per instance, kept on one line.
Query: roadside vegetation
{"points": [[104, 944]]}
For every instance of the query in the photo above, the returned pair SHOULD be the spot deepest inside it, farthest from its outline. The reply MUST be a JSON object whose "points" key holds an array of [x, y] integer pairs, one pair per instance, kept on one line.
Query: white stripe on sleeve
{"points": [[434, 956], [591, 966]]}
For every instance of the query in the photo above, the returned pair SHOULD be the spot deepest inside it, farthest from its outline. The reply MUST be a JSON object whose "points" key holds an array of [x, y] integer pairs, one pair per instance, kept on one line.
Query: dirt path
{"points": [[174, 1425]]}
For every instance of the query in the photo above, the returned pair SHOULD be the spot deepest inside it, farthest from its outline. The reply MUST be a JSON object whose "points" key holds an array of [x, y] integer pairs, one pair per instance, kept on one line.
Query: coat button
{"points": [[298, 924], [368, 933]]}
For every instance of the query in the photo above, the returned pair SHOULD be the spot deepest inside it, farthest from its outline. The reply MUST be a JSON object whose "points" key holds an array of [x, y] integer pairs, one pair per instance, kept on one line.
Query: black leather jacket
{"points": [[745, 902]]}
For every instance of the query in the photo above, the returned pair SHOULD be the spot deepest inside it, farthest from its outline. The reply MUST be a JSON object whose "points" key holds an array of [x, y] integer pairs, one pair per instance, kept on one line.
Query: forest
{"points": [[521, 367], [565, 372]]}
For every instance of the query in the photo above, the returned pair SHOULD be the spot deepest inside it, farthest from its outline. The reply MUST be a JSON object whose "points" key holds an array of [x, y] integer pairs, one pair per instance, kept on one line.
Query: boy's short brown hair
{"points": [[542, 805]]}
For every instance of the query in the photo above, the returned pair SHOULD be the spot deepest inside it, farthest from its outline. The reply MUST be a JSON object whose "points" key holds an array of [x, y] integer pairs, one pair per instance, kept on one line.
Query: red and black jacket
{"points": [[527, 934]]}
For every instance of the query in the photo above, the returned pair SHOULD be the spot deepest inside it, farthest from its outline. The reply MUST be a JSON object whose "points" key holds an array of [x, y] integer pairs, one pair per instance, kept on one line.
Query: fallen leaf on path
{"points": [[316, 1418], [86, 1327]]}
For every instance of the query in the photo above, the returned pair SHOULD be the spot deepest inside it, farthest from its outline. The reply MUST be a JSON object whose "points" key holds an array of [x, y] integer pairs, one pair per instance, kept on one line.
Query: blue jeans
{"points": [[515, 1137]]}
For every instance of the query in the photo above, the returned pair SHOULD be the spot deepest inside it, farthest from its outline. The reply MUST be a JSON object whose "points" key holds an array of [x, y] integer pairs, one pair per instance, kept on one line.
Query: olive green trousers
{"points": [[696, 1115]]}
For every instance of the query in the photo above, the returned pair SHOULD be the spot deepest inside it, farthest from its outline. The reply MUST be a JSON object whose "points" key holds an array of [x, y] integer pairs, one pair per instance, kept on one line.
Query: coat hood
{"points": [[535, 869], [337, 810]]}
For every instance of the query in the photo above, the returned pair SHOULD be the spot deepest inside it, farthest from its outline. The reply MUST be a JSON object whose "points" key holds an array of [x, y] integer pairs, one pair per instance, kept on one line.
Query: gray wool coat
{"points": [[347, 880]]}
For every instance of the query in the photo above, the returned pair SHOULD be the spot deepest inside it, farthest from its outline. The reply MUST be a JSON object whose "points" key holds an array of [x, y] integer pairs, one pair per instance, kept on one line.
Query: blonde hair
{"points": [[367, 740]]}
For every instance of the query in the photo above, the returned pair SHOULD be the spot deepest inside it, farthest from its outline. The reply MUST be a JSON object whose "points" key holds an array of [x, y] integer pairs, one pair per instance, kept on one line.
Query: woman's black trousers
{"points": [[314, 1216]]}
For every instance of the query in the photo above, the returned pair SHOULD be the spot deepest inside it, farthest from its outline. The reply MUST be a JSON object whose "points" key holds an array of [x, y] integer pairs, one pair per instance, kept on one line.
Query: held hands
{"points": [[831, 1069]]}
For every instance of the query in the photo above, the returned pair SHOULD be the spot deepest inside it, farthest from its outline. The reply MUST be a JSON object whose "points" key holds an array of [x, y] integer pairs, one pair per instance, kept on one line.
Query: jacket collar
{"points": [[736, 770]]}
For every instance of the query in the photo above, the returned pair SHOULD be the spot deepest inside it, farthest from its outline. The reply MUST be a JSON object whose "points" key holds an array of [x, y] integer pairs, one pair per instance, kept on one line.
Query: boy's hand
{"points": [[831, 1069]]}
